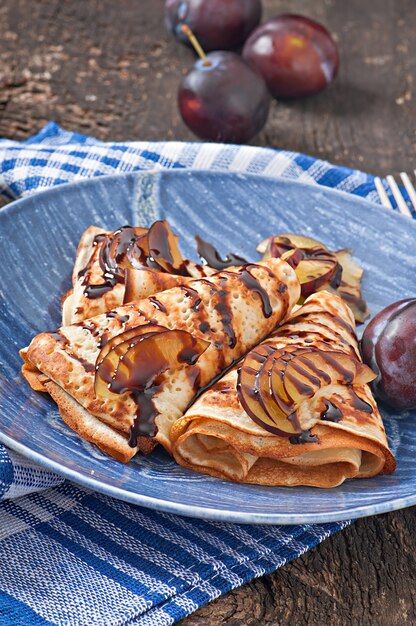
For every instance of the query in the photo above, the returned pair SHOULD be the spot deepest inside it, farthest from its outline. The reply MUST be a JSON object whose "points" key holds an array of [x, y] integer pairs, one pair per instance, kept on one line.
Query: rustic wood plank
{"points": [[109, 69]]}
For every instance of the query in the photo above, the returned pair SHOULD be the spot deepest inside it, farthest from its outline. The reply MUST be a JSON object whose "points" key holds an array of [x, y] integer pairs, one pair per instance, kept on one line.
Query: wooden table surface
{"points": [[109, 69]]}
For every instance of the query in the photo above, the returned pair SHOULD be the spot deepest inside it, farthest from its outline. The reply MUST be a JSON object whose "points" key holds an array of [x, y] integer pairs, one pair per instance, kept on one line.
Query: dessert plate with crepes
{"points": [[202, 389]]}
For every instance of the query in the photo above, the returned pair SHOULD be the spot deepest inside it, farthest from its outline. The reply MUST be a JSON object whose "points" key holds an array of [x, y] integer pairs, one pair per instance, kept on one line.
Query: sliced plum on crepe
{"points": [[146, 352], [319, 268], [111, 353], [309, 371], [287, 378], [350, 286], [314, 264], [164, 249]]}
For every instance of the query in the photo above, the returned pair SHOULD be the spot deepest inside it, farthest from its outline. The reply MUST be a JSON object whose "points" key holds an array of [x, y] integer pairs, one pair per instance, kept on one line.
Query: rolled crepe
{"points": [[95, 290], [216, 436], [232, 310]]}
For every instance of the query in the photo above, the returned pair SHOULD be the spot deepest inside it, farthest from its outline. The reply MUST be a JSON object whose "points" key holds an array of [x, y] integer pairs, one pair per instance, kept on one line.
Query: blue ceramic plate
{"points": [[38, 239]]}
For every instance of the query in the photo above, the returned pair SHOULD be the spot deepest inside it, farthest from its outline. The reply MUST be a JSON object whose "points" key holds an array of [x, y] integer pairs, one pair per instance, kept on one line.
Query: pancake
{"points": [[228, 313], [345, 436], [112, 269]]}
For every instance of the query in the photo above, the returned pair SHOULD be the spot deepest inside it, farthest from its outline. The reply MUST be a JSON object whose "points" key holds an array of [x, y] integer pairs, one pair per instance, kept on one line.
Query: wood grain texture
{"points": [[109, 69]]}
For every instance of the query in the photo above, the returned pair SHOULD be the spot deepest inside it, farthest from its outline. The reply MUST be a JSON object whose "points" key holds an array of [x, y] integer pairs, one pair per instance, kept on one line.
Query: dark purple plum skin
{"points": [[296, 56], [226, 101], [388, 346], [217, 24]]}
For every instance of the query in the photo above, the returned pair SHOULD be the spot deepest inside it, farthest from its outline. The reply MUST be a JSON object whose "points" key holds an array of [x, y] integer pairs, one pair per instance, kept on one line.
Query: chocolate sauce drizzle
{"points": [[254, 285], [210, 256], [332, 413], [194, 295], [305, 437], [120, 318], [224, 309], [141, 376], [88, 367], [112, 252], [128, 248], [157, 304]]}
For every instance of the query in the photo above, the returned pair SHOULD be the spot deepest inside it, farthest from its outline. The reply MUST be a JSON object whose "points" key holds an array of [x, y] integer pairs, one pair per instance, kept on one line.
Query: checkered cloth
{"points": [[69, 556]]}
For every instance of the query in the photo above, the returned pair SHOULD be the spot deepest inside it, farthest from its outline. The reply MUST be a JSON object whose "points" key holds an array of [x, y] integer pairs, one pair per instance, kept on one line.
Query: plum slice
{"points": [[248, 385], [137, 253], [255, 393], [110, 355], [319, 268], [276, 406], [314, 264], [350, 286], [164, 250], [126, 336], [152, 355], [273, 383], [307, 372]]}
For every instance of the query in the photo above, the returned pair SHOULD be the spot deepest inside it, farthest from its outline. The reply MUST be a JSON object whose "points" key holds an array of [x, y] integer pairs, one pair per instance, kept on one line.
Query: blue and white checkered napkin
{"points": [[70, 556]]}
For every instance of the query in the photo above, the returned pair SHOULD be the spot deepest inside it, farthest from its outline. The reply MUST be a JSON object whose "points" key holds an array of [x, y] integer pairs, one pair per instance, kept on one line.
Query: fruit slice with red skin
{"points": [[248, 384], [163, 248], [313, 273], [350, 286], [120, 240], [144, 361], [125, 337], [314, 264], [278, 412], [346, 281], [308, 372], [137, 253], [254, 392], [276, 245], [107, 365]]}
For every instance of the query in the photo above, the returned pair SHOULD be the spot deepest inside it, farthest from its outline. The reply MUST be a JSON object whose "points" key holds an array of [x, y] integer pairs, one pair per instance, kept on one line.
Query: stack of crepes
{"points": [[143, 344], [178, 342], [341, 430]]}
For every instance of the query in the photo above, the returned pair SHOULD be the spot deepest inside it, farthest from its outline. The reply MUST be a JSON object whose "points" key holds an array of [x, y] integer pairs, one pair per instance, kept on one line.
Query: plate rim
{"points": [[207, 513], [15, 204], [194, 511]]}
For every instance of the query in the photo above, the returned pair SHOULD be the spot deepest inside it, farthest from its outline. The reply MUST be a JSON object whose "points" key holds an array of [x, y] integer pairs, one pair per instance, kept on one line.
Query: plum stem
{"points": [[195, 43]]}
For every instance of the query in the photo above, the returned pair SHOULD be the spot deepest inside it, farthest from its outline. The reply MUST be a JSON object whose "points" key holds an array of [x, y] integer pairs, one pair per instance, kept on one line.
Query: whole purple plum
{"points": [[388, 346]]}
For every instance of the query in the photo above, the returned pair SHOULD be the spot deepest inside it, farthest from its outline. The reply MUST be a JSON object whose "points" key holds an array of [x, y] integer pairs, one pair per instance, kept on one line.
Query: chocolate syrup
{"points": [[140, 376], [120, 318], [321, 374], [210, 256], [253, 284], [58, 337], [305, 437], [360, 404], [162, 246], [157, 304], [303, 388], [192, 293], [332, 413], [225, 312], [144, 421], [88, 367]]}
